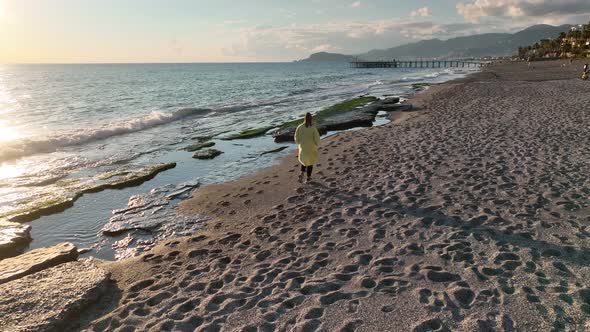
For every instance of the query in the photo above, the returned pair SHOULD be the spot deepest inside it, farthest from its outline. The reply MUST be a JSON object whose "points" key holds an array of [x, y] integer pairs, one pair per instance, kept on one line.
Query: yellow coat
{"points": [[308, 139]]}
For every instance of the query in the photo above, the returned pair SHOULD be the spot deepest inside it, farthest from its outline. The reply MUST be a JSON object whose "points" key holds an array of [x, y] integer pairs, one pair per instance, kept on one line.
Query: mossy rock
{"points": [[207, 154], [340, 116], [250, 133], [108, 175], [279, 149], [199, 146], [420, 86], [66, 192], [133, 178], [202, 138], [39, 208], [323, 115], [68, 182]]}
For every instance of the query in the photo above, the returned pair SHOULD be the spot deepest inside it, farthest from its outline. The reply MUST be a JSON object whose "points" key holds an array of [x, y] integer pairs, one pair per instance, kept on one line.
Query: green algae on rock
{"points": [[199, 146], [202, 138], [356, 112], [133, 178], [250, 133], [108, 175], [57, 197], [279, 149], [343, 107], [320, 117]]}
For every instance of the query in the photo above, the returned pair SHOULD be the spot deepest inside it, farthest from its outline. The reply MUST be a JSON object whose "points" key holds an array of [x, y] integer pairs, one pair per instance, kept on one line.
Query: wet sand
{"points": [[470, 214]]}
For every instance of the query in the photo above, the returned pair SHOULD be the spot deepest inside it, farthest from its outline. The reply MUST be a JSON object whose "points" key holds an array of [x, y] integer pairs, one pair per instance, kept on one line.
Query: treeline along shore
{"points": [[469, 214]]}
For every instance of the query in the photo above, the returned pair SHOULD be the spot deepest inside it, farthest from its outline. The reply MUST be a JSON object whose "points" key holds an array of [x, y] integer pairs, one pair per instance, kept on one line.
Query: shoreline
{"points": [[467, 214], [51, 228]]}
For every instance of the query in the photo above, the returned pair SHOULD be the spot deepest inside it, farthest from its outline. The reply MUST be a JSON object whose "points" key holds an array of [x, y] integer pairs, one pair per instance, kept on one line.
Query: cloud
{"points": [[325, 48], [355, 4], [287, 13], [421, 12], [298, 41], [234, 22], [545, 10]]}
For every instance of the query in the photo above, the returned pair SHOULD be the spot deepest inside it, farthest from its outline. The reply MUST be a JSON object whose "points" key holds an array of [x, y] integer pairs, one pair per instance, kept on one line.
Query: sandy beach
{"points": [[469, 214]]}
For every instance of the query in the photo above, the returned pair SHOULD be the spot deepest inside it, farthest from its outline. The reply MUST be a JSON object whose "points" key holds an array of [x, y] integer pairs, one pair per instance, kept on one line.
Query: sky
{"points": [[121, 31]]}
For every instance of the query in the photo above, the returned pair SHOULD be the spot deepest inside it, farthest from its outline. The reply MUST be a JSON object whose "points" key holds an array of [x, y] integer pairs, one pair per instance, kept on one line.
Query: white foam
{"points": [[25, 147]]}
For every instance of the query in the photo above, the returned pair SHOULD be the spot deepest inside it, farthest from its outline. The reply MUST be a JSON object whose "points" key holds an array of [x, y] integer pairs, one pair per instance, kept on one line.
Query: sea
{"points": [[66, 128]]}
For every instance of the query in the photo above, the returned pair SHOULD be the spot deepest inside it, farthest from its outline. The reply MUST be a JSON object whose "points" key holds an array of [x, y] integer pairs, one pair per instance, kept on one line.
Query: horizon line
{"points": [[141, 63]]}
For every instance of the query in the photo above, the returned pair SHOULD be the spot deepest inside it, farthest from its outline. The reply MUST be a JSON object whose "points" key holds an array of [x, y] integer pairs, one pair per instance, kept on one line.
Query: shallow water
{"points": [[68, 122]]}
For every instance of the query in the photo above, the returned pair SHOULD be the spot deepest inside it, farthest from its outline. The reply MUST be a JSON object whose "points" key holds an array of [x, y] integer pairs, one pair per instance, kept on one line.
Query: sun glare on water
{"points": [[8, 169], [8, 133]]}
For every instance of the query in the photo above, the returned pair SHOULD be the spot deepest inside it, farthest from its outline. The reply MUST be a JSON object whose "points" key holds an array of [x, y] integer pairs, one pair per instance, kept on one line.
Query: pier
{"points": [[415, 64]]}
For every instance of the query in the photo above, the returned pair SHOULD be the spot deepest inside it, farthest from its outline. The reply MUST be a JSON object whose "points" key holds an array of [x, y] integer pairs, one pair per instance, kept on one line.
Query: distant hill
{"points": [[489, 44], [329, 57]]}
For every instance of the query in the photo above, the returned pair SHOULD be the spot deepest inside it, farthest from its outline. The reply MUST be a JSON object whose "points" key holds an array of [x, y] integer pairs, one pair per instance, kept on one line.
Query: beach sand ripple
{"points": [[471, 214]]}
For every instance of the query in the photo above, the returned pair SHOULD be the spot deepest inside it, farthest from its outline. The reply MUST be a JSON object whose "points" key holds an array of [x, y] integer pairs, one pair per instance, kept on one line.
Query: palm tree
{"points": [[567, 48]]}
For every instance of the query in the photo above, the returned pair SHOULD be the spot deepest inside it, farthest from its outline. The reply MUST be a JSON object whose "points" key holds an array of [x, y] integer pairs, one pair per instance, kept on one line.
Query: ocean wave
{"points": [[302, 91], [423, 77], [375, 83], [26, 147]]}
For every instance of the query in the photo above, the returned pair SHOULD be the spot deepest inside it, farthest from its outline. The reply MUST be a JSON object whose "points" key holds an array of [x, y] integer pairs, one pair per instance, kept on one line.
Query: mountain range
{"points": [[488, 44]]}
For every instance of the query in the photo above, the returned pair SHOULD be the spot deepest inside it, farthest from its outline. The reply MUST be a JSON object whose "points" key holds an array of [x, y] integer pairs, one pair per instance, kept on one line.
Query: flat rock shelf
{"points": [[13, 238], [36, 260], [50, 299]]}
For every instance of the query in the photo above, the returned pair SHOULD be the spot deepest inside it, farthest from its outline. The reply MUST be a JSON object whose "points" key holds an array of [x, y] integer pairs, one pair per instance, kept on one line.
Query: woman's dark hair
{"points": [[308, 118]]}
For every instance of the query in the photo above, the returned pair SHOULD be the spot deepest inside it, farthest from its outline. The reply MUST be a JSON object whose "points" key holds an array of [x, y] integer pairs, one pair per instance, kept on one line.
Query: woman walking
{"points": [[308, 139]]}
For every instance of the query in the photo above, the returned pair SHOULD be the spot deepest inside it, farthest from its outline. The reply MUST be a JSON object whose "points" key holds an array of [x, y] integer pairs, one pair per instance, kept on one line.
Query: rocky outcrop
{"points": [[49, 299], [62, 194], [359, 117], [207, 154], [199, 146], [390, 100], [36, 260], [342, 122], [353, 113], [13, 238], [151, 217], [250, 133], [279, 149], [391, 104]]}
